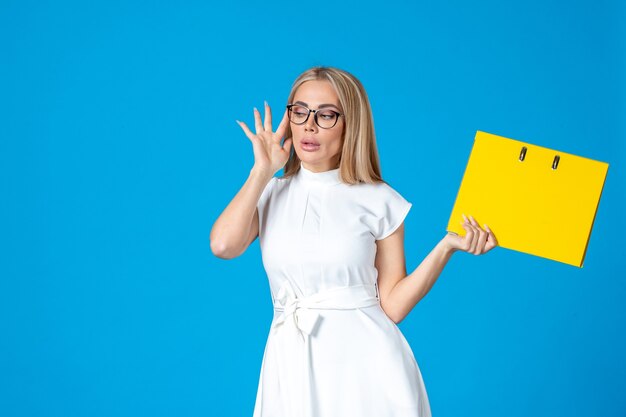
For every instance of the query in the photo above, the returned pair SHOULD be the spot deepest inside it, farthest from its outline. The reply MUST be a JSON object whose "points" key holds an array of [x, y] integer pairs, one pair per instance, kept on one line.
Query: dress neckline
{"points": [[329, 177]]}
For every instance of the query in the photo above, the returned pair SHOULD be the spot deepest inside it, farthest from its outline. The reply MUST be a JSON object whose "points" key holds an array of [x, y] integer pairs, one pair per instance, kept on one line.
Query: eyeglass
{"points": [[324, 118]]}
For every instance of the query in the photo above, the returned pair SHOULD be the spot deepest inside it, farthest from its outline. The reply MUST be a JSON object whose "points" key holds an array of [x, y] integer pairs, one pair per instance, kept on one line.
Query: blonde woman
{"points": [[331, 234]]}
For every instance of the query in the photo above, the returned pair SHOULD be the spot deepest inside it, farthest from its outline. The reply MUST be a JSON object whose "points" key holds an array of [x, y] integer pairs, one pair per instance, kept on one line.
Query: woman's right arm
{"points": [[238, 225]]}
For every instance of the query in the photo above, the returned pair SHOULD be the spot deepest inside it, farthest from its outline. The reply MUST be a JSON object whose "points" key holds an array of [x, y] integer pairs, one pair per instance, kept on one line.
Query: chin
{"points": [[313, 161], [307, 157]]}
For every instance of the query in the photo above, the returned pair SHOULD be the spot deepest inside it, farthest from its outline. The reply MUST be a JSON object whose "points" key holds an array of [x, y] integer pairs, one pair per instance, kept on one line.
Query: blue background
{"points": [[119, 149]]}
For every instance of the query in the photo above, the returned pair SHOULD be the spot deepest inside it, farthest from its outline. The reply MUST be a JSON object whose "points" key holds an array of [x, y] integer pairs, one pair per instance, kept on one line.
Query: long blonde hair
{"points": [[359, 162]]}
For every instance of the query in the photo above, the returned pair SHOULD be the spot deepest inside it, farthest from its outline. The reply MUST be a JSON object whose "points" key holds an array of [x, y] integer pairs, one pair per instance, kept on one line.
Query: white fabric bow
{"points": [[295, 310]]}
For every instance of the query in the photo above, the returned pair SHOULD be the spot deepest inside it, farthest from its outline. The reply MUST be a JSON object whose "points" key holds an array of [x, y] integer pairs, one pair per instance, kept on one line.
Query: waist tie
{"points": [[292, 329]]}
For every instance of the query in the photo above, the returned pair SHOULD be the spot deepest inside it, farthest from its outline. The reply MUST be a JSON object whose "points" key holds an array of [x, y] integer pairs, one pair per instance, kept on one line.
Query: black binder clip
{"points": [[522, 154]]}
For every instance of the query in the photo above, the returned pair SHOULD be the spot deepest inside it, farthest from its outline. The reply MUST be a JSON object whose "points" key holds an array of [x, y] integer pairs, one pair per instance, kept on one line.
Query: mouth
{"points": [[310, 141], [309, 144]]}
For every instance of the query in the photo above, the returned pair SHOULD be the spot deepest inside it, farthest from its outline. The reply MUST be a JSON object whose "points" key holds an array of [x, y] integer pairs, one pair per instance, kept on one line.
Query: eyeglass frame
{"points": [[289, 106]]}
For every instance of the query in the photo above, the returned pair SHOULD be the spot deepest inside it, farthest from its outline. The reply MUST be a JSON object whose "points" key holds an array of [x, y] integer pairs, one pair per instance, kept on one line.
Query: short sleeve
{"points": [[390, 212]]}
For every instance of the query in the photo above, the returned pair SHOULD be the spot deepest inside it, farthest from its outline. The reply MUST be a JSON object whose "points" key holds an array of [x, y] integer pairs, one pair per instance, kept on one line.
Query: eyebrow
{"points": [[321, 106]]}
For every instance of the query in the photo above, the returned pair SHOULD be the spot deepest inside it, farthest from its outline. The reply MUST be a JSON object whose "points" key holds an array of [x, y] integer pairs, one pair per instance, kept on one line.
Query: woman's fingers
{"points": [[482, 237], [246, 130], [268, 118], [258, 125], [492, 242], [265, 137], [282, 127], [476, 240], [483, 240], [266, 126], [469, 236]]}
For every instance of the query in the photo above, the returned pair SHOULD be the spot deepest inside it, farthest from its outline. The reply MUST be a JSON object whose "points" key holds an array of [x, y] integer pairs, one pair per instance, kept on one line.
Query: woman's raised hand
{"points": [[476, 240], [269, 155]]}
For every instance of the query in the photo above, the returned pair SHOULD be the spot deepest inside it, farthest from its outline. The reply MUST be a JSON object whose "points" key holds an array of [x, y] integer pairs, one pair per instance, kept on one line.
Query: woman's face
{"points": [[319, 149]]}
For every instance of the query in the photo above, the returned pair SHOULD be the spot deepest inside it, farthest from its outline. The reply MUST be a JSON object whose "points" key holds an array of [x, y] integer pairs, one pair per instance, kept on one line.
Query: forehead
{"points": [[316, 92]]}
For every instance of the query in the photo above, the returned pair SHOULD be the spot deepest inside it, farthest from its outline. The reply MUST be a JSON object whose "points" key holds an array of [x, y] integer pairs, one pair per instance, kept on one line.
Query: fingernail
{"points": [[255, 109], [265, 102], [237, 121], [464, 216]]}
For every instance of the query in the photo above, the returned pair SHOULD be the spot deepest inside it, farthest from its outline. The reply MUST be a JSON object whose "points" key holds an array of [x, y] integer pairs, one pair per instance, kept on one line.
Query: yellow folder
{"points": [[535, 200]]}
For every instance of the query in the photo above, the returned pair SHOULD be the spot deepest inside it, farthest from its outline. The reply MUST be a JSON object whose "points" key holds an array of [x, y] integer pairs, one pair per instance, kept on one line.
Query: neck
{"points": [[320, 167]]}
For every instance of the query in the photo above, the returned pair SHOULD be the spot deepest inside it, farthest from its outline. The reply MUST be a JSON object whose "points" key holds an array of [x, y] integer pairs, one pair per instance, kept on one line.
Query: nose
{"points": [[310, 124]]}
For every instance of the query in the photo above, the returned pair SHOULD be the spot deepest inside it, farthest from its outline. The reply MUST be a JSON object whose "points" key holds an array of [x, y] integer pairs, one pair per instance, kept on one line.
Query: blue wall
{"points": [[119, 149]]}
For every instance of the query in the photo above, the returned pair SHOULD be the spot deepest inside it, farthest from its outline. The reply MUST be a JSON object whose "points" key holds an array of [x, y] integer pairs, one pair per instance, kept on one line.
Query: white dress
{"points": [[331, 349]]}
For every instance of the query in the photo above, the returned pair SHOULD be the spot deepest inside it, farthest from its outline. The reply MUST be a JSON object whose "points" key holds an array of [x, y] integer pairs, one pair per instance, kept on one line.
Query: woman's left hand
{"points": [[476, 240]]}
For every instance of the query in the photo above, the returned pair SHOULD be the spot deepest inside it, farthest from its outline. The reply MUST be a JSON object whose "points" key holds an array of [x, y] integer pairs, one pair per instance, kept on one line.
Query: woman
{"points": [[332, 240]]}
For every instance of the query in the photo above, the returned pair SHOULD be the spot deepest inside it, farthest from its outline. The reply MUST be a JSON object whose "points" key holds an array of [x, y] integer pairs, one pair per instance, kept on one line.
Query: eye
{"points": [[327, 115], [299, 110]]}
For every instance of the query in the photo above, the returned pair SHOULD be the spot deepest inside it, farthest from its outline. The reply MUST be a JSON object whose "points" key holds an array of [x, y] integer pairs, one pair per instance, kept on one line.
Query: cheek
{"points": [[335, 140], [334, 148], [338, 143], [295, 130]]}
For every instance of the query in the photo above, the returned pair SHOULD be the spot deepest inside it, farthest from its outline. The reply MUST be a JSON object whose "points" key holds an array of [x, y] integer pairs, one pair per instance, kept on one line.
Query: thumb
{"points": [[287, 144]]}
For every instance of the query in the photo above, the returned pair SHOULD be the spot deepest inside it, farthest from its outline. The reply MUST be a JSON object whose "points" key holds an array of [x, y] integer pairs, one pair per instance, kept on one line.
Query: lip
{"points": [[309, 144], [309, 147]]}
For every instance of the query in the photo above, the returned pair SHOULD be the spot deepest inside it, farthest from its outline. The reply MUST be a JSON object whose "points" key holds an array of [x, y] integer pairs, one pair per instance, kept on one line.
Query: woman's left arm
{"points": [[400, 292]]}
